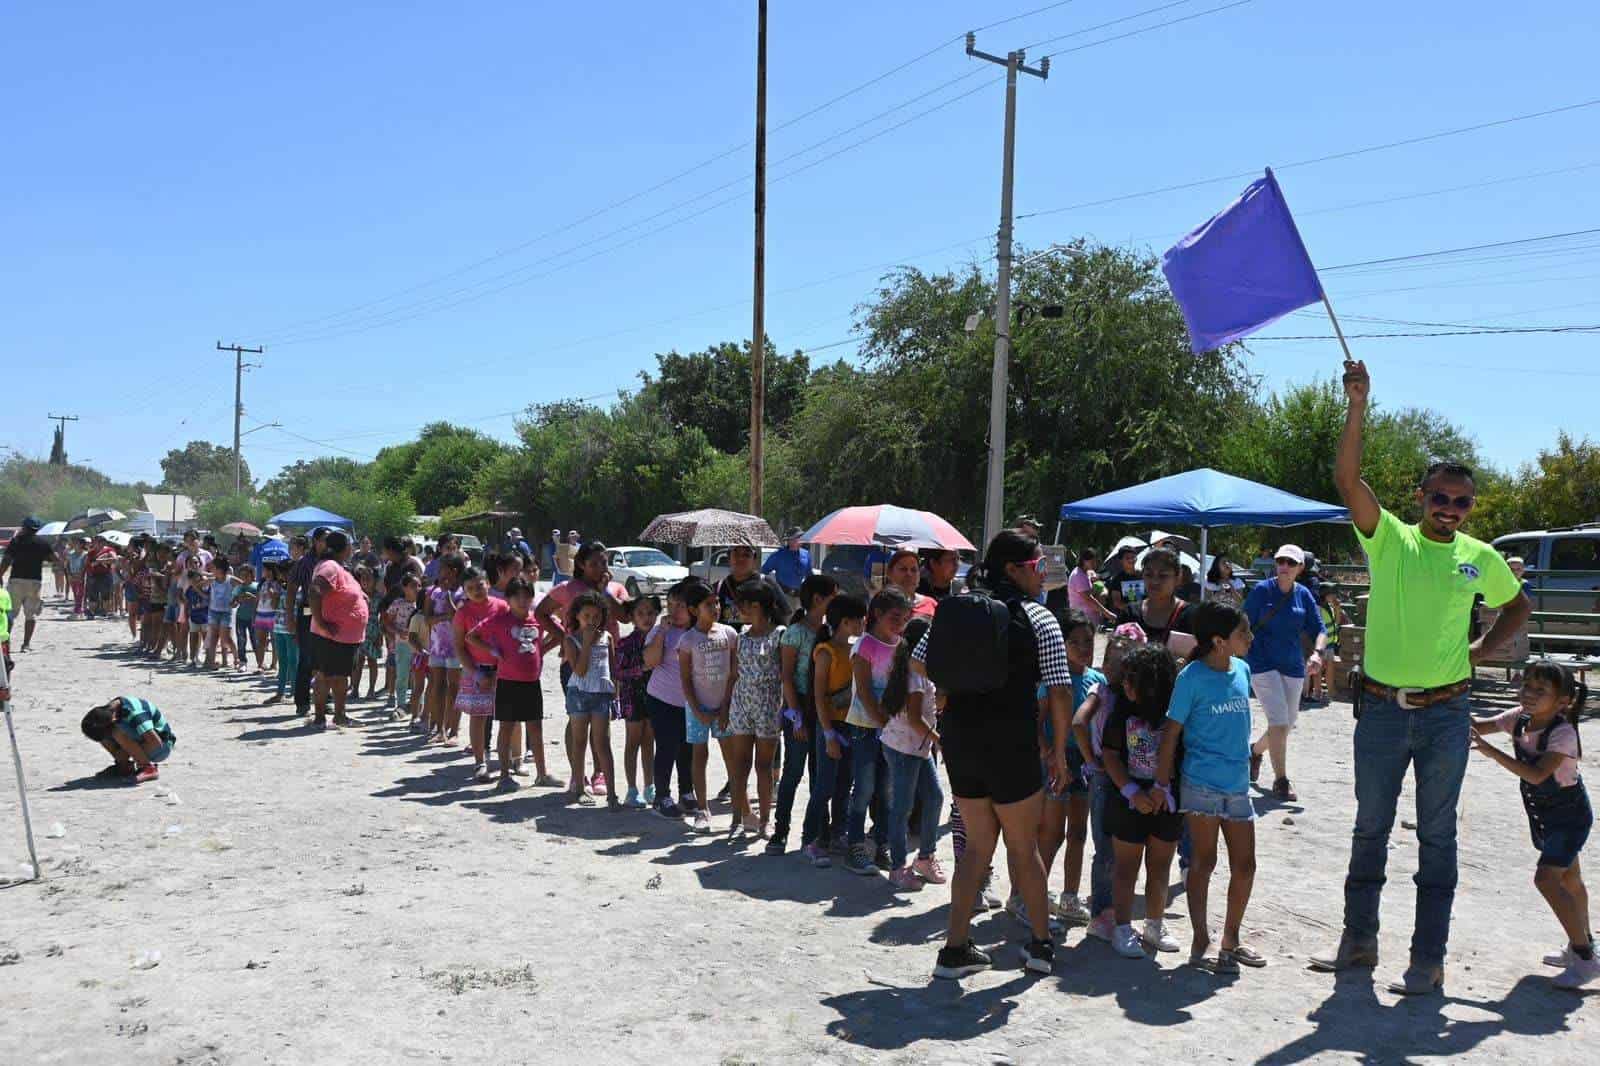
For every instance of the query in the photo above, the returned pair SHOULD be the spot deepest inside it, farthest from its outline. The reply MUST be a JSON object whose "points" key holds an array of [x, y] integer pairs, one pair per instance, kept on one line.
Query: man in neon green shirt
{"points": [[1418, 670]]}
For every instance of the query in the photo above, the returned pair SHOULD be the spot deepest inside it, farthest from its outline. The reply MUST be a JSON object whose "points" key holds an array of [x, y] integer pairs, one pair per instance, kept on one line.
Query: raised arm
{"points": [[1356, 493]]}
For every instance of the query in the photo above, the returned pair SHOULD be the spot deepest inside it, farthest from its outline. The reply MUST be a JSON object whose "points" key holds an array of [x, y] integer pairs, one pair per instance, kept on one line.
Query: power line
{"points": [[1455, 251], [1255, 173], [1441, 333], [663, 183], [1145, 29]]}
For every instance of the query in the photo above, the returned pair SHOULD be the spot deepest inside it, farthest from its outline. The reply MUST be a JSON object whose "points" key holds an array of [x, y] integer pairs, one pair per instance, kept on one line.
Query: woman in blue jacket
{"points": [[1282, 614]]}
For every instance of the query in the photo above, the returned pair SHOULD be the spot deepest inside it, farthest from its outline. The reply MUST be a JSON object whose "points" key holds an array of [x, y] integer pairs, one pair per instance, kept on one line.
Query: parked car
{"points": [[645, 570], [471, 547], [6, 533], [715, 568], [1563, 565]]}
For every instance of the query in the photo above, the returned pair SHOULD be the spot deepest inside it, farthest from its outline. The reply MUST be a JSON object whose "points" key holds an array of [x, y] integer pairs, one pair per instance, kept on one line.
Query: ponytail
{"points": [[898, 687]]}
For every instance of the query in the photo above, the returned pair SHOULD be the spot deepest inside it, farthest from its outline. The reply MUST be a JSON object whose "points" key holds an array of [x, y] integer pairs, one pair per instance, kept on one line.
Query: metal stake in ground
{"points": [[22, 791]]}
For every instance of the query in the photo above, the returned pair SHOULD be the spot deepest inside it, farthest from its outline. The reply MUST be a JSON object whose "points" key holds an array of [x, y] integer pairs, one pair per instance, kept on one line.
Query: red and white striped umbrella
{"points": [[886, 524]]}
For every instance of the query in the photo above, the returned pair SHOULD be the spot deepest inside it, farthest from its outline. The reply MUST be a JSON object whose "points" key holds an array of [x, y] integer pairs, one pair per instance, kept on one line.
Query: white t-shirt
{"points": [[902, 733]]}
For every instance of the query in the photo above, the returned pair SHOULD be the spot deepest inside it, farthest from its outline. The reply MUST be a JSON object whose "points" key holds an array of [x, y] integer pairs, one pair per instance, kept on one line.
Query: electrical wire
{"points": [[1252, 174], [1146, 29], [663, 183]]}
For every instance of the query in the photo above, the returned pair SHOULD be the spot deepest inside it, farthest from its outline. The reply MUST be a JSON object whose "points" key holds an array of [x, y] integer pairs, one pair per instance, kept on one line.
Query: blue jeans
{"points": [[1388, 740], [868, 785], [797, 755], [830, 791], [912, 777], [1100, 792]]}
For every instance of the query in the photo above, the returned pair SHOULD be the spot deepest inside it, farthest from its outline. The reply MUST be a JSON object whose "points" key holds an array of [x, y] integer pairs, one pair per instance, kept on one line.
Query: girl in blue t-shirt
{"points": [[1210, 716]]}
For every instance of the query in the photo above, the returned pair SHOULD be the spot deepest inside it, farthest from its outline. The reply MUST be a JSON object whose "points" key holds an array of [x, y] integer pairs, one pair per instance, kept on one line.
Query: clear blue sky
{"points": [[180, 174]]}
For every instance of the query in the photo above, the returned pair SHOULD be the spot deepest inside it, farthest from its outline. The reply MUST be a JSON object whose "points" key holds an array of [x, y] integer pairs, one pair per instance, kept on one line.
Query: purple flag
{"points": [[1245, 268]]}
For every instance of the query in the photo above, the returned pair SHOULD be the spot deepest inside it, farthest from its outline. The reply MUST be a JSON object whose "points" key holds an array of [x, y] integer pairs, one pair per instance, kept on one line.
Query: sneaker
{"points": [[1559, 959], [1070, 909], [1102, 928], [955, 963], [880, 856], [688, 804], [860, 861], [1125, 942], [817, 855], [548, 781], [650, 795], [1019, 910], [1039, 956], [481, 773], [904, 880], [632, 799], [667, 809], [598, 783], [509, 784], [1281, 790], [149, 773], [1582, 973], [929, 870], [702, 822], [776, 846], [987, 899], [516, 769], [1157, 938]]}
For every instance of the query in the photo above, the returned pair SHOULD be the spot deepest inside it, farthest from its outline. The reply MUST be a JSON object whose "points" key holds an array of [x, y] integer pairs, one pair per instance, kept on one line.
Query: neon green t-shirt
{"points": [[1420, 611], [5, 615]]}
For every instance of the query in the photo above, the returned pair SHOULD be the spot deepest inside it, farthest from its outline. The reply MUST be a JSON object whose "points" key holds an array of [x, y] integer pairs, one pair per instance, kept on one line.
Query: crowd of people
{"points": [[1147, 756]]}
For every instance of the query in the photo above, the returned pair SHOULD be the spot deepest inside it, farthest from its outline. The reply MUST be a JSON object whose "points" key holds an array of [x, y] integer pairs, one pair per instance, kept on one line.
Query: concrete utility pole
{"points": [[994, 497], [758, 329], [63, 420], [239, 365]]}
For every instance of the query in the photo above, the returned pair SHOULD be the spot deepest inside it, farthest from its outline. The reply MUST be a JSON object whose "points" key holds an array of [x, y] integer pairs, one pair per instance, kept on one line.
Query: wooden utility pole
{"points": [[758, 329]]}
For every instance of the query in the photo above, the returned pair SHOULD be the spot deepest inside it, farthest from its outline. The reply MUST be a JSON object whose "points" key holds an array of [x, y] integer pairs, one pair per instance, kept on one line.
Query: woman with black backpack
{"points": [[988, 651]]}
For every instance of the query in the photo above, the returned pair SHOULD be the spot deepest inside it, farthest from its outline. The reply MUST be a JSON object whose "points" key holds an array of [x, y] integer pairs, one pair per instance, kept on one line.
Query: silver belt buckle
{"points": [[1400, 697]]}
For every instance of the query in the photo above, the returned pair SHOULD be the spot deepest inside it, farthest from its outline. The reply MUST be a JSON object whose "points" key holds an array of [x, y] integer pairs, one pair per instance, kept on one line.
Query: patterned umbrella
{"points": [[241, 529], [710, 528], [888, 525]]}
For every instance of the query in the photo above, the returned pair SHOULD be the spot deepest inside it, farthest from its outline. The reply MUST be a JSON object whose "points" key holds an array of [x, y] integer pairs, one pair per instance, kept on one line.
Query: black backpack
{"points": [[969, 644]]}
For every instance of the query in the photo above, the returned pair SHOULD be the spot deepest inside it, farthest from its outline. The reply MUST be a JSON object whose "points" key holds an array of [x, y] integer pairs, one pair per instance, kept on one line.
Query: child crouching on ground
{"points": [[135, 733]]}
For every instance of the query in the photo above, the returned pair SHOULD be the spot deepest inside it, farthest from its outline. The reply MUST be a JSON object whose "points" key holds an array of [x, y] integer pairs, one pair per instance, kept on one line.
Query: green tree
{"points": [[291, 486], [438, 469], [375, 513], [710, 390], [219, 511], [201, 469]]}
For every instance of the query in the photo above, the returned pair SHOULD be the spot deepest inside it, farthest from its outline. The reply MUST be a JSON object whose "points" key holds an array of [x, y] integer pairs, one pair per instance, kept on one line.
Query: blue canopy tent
{"points": [[310, 516], [1204, 498]]}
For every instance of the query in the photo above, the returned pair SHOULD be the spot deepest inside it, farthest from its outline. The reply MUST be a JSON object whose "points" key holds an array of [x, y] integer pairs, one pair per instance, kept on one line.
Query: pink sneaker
{"points": [[598, 783], [817, 856], [903, 880], [929, 870], [1102, 927]]}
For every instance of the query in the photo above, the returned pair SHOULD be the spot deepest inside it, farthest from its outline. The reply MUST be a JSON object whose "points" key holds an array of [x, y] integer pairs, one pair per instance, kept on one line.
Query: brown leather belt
{"points": [[1416, 697]]}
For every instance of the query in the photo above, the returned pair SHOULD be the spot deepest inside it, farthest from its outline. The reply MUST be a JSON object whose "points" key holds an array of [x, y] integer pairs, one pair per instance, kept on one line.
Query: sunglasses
{"points": [[1444, 499], [1041, 565]]}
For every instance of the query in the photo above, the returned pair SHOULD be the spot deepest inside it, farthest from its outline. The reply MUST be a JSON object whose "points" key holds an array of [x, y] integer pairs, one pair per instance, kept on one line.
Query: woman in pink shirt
{"points": [[338, 626], [904, 573]]}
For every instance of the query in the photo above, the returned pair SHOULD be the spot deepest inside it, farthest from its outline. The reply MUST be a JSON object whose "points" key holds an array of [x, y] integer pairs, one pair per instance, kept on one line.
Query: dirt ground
{"points": [[339, 897]]}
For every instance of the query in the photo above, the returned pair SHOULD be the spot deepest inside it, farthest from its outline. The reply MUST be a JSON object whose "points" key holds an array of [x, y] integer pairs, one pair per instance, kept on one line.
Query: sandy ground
{"points": [[335, 897]]}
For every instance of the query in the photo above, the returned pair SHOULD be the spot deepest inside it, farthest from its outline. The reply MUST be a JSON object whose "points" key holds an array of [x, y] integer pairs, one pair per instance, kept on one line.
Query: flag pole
{"points": [[1337, 331]]}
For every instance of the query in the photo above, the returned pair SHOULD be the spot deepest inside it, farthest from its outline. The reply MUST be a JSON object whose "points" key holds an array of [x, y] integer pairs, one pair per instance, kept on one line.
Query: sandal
{"points": [[1242, 955]]}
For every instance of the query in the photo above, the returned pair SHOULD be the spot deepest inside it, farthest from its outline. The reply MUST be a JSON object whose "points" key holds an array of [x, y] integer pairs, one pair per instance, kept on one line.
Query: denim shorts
{"points": [[1229, 806], [160, 754], [693, 731], [582, 704], [171, 613], [1559, 834]]}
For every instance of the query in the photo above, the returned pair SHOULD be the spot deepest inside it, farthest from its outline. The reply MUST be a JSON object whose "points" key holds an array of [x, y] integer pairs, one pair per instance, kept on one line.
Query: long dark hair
{"points": [[898, 687], [757, 592], [813, 587], [1214, 575], [889, 598], [1008, 546], [1152, 671], [844, 606], [1213, 621], [1565, 682]]}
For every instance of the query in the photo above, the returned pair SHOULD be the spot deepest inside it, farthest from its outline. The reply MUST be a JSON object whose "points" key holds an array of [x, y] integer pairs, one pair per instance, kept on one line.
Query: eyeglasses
{"points": [[1286, 562], [1444, 499], [1041, 565]]}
